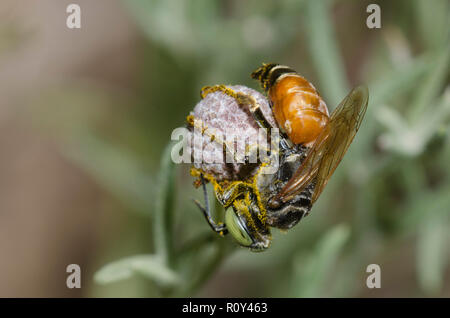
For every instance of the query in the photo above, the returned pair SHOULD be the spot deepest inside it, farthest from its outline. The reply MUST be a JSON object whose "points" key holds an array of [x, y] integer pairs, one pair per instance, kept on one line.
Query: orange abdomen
{"points": [[298, 108]]}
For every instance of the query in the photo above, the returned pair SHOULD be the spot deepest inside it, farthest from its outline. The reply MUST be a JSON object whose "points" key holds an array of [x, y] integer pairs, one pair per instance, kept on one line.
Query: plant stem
{"points": [[213, 263], [163, 223]]}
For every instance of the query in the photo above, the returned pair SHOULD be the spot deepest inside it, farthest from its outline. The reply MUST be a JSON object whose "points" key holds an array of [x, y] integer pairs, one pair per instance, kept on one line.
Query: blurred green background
{"points": [[86, 118]]}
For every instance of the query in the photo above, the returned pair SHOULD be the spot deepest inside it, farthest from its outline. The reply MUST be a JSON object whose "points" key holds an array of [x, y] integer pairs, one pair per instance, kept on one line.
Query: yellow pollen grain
{"points": [[197, 172], [243, 208], [190, 120]]}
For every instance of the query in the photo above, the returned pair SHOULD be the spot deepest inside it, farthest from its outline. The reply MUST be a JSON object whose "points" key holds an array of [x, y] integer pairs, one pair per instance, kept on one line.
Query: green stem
{"points": [[214, 262], [163, 223]]}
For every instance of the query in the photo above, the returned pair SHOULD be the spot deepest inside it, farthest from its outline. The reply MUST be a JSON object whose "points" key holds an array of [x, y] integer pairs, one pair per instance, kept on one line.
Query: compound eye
{"points": [[237, 229]]}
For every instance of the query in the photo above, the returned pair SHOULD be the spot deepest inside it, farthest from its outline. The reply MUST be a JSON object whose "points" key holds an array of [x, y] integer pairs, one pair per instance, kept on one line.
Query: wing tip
{"points": [[361, 90]]}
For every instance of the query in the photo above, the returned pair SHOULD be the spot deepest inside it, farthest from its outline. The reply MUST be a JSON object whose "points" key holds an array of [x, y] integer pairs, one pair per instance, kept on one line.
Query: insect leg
{"points": [[218, 228]]}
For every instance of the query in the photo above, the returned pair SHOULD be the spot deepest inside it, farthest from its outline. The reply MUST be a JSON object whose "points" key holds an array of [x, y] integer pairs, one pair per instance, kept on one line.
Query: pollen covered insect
{"points": [[280, 189]]}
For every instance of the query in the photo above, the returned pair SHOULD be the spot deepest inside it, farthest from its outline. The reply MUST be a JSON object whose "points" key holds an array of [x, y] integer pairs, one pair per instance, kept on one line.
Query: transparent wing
{"points": [[329, 147]]}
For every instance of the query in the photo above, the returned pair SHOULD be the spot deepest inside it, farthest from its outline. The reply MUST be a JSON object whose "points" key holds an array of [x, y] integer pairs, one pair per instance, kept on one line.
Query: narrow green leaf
{"points": [[399, 137], [397, 82], [163, 222], [114, 169], [150, 266], [165, 23], [428, 204], [433, 23], [412, 139], [208, 266], [381, 92], [432, 254], [311, 272], [429, 88], [324, 51], [391, 119]]}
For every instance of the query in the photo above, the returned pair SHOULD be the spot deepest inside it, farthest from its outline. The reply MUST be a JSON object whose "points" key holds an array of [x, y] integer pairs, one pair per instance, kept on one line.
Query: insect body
{"points": [[298, 108], [310, 148]]}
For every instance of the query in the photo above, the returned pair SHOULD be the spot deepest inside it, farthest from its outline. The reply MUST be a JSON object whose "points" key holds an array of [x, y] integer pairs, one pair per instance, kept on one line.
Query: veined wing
{"points": [[328, 149]]}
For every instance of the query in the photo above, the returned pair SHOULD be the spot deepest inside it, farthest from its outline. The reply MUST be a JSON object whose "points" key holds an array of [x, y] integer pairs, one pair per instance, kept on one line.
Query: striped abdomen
{"points": [[298, 108]]}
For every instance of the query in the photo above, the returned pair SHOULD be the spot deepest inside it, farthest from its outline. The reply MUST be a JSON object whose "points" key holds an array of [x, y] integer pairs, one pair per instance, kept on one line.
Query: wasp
{"points": [[312, 143]]}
